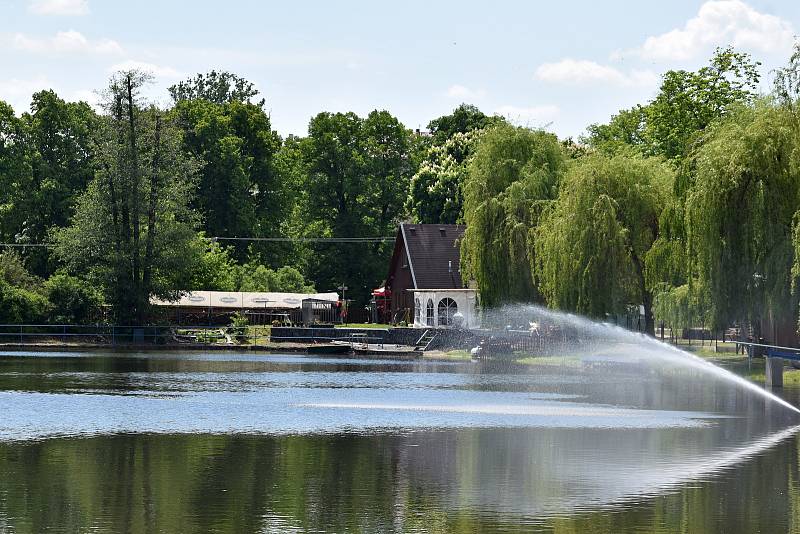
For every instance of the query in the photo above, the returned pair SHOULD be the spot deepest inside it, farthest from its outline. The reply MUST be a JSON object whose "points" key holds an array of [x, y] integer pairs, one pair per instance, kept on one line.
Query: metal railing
{"points": [[762, 349], [123, 335], [32, 334]]}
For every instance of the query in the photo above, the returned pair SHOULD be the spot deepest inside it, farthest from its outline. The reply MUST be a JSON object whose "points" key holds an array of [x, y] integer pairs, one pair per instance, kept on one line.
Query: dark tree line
{"points": [[686, 205], [121, 205]]}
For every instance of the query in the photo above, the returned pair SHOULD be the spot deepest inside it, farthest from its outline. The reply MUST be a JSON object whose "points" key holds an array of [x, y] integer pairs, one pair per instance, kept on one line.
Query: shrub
{"points": [[18, 305], [73, 300]]}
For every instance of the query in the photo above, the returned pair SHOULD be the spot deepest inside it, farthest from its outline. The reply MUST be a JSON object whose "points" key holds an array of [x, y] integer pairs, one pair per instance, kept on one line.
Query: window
{"points": [[417, 312], [430, 321], [447, 308]]}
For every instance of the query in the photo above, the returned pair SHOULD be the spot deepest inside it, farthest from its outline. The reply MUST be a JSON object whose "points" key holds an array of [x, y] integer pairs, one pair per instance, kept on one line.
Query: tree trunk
{"points": [[122, 296], [647, 298], [151, 215], [134, 170]]}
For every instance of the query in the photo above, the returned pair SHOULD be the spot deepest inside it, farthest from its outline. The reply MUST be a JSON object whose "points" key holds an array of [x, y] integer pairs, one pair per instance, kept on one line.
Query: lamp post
{"points": [[343, 288]]}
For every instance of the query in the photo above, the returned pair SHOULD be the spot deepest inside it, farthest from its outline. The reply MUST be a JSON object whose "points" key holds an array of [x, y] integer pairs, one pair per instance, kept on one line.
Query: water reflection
{"points": [[186, 444]]}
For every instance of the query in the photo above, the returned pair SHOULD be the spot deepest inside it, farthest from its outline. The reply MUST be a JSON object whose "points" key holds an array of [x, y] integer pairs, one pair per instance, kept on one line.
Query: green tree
{"points": [[740, 212], [686, 104], [592, 244], [21, 299], [436, 195], [287, 279], [624, 132], [72, 300], [214, 270], [216, 87], [358, 177], [514, 173], [240, 192], [465, 118], [22, 306], [14, 272], [45, 163], [16, 173], [132, 232]]}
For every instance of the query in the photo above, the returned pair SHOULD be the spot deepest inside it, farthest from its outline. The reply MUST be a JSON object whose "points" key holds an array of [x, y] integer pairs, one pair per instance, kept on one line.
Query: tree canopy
{"points": [[515, 171], [592, 242], [740, 212], [132, 229]]}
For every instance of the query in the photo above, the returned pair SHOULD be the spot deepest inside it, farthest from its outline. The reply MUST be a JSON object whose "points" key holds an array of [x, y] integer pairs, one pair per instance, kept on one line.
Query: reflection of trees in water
{"points": [[466, 481]]}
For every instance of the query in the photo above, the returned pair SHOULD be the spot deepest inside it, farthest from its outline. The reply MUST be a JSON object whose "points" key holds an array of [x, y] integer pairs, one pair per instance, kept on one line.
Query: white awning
{"points": [[231, 299]]}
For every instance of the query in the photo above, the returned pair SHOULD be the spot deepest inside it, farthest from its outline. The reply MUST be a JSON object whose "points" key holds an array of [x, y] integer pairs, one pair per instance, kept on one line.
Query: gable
{"points": [[434, 254]]}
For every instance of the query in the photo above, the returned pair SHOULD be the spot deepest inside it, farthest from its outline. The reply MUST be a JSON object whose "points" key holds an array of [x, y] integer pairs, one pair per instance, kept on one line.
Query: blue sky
{"points": [[560, 65]]}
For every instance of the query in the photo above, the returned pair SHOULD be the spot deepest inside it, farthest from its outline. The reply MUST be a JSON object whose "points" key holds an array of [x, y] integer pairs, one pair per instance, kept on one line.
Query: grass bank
{"points": [[751, 369]]}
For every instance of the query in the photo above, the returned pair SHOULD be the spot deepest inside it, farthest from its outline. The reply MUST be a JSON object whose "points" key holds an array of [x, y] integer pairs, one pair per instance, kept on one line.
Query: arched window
{"points": [[430, 319], [447, 308], [417, 312]]}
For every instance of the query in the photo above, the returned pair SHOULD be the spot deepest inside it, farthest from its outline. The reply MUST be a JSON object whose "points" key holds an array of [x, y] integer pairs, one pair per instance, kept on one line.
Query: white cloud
{"points": [[69, 42], [720, 23], [532, 116], [583, 72], [90, 97], [460, 92], [156, 70], [59, 7], [17, 92]]}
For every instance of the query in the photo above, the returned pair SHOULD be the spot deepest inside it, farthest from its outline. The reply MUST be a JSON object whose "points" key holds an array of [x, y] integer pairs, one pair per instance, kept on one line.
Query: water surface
{"points": [[221, 442]]}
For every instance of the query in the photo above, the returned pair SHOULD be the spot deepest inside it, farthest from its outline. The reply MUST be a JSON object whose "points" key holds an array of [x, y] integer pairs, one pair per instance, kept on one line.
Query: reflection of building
{"points": [[426, 259]]}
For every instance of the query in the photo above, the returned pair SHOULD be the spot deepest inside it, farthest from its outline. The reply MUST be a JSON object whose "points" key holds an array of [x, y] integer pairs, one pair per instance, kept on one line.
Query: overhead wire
{"points": [[254, 239]]}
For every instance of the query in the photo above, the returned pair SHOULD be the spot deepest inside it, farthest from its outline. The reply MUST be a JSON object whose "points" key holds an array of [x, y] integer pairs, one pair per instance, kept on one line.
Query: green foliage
{"points": [[132, 233], [14, 272], [358, 177], [214, 269], [216, 87], [61, 137], [435, 192], [623, 133], [238, 326], [285, 280], [740, 213], [591, 245], [20, 305], [786, 85], [73, 301], [682, 306], [20, 297], [465, 118], [240, 192], [690, 101], [514, 172], [714, 237], [686, 104]]}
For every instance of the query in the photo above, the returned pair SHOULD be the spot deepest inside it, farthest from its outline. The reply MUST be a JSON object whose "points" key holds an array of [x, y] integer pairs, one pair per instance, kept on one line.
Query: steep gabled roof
{"points": [[434, 254]]}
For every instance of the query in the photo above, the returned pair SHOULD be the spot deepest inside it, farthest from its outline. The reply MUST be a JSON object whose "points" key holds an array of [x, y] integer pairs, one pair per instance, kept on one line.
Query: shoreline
{"points": [[272, 348]]}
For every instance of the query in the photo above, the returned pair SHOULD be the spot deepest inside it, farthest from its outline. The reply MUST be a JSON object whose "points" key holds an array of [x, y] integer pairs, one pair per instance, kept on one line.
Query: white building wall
{"points": [[466, 303]]}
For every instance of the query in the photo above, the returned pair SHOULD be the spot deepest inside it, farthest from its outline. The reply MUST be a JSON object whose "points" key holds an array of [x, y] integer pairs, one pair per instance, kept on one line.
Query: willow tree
{"points": [[592, 243], [740, 212], [132, 231], [513, 173]]}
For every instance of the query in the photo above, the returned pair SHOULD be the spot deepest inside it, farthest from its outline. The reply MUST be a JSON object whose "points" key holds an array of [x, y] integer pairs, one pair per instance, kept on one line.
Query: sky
{"points": [[558, 65]]}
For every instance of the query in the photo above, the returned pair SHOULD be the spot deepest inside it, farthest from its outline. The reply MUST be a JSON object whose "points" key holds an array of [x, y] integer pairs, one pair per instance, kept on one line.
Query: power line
{"points": [[254, 239], [309, 239]]}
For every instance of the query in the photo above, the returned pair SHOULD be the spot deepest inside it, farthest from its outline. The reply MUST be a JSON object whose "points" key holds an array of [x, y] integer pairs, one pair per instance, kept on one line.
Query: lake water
{"points": [[223, 442]]}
